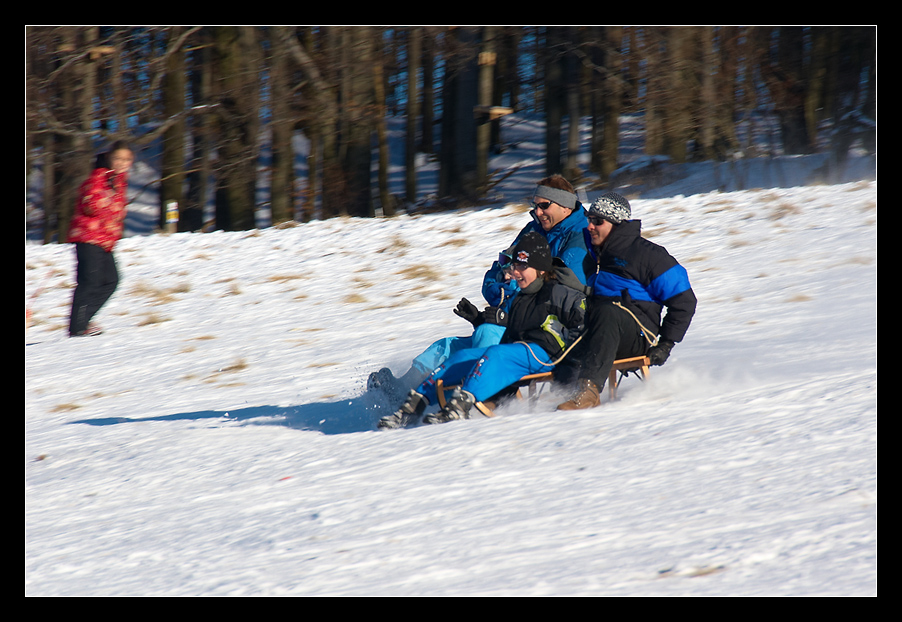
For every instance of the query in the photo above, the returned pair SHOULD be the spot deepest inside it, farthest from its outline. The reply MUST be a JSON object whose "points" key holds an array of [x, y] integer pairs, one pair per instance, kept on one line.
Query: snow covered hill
{"points": [[217, 438]]}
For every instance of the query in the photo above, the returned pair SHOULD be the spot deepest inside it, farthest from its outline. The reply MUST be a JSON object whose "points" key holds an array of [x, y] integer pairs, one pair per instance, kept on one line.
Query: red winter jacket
{"points": [[100, 209]]}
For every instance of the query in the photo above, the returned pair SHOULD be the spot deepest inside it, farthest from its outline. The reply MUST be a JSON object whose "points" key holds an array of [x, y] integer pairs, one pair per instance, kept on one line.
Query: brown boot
{"points": [[586, 397]]}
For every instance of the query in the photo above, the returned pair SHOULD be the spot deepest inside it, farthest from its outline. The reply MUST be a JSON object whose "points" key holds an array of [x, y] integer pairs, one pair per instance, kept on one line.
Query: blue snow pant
{"points": [[486, 371], [484, 336]]}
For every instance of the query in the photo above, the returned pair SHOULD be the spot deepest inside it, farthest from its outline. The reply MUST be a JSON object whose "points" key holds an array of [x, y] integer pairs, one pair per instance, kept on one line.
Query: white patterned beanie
{"points": [[612, 207]]}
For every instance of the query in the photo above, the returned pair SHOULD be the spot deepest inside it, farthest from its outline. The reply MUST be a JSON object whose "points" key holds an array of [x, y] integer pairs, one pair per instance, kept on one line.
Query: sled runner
{"points": [[637, 364]]}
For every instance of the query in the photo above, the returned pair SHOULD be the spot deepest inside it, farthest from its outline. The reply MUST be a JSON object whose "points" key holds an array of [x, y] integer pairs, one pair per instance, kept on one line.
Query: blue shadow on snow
{"points": [[346, 416]]}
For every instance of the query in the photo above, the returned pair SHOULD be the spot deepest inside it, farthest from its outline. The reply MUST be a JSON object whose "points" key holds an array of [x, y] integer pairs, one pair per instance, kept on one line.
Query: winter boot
{"points": [[383, 380], [409, 412], [586, 397], [458, 407]]}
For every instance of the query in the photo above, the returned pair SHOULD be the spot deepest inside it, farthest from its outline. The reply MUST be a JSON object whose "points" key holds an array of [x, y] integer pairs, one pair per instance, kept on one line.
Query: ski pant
{"points": [[611, 333], [484, 336], [96, 279], [485, 372]]}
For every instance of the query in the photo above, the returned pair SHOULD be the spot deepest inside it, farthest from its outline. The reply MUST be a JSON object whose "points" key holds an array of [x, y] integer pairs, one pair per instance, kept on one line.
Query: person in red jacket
{"points": [[95, 229]]}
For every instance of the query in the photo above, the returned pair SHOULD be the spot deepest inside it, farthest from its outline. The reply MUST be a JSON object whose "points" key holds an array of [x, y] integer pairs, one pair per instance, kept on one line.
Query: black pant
{"points": [[97, 279], [611, 334]]}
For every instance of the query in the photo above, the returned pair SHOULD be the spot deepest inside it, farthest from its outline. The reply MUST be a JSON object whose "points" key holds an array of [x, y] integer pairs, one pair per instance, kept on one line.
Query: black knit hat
{"points": [[533, 250]]}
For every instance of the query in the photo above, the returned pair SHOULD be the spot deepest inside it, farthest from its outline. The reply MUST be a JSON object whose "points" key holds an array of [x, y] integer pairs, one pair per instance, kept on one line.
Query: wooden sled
{"points": [[638, 364], [531, 382]]}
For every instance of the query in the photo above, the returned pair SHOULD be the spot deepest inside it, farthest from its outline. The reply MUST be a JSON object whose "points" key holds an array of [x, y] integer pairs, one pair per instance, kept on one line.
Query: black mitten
{"points": [[658, 354]]}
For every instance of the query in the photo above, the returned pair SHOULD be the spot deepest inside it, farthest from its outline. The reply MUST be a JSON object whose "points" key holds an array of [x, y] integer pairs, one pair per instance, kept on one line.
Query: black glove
{"points": [[658, 354], [495, 315], [468, 311]]}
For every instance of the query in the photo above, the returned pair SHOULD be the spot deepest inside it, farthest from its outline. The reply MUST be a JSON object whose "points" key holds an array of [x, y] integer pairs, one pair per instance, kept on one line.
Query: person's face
{"points": [[121, 160], [523, 274], [599, 230], [549, 213]]}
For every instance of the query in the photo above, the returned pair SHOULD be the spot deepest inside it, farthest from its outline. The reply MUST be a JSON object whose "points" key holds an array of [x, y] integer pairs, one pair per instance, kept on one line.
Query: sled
{"points": [[638, 364], [531, 382]]}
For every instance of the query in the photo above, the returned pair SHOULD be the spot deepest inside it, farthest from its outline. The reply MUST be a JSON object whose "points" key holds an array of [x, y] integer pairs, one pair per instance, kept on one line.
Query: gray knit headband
{"points": [[561, 197]]}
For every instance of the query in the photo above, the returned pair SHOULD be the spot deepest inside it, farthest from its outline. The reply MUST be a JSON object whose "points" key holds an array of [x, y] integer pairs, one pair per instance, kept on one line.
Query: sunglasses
{"points": [[542, 206], [597, 220]]}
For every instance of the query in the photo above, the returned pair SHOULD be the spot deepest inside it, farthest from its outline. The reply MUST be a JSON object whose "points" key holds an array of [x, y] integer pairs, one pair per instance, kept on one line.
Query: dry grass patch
{"points": [[721, 205], [397, 245], [784, 209], [354, 298], [67, 407], [285, 278], [455, 242], [159, 295], [236, 366], [419, 271], [153, 318]]}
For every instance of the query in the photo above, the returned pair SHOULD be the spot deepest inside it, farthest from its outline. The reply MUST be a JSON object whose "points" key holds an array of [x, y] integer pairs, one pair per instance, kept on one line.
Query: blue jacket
{"points": [[567, 241], [643, 277]]}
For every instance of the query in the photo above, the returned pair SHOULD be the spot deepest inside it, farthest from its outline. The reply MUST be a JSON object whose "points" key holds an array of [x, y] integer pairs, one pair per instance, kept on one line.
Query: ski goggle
{"points": [[516, 266], [504, 260]]}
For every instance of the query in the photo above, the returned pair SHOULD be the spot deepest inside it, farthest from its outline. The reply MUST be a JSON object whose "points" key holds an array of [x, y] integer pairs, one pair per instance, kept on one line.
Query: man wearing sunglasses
{"points": [[632, 281], [560, 218]]}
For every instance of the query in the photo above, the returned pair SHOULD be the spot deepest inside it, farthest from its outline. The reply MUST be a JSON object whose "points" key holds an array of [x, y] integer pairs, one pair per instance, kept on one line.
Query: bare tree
{"points": [[199, 95], [237, 68], [281, 129], [172, 161], [414, 62]]}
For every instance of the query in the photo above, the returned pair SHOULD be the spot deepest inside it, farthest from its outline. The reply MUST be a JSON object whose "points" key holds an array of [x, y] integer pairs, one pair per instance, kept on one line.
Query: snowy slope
{"points": [[217, 438]]}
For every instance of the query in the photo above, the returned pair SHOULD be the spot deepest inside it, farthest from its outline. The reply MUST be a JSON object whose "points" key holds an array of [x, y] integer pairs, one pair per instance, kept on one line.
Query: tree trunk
{"points": [[655, 94], [790, 90], [75, 154], [357, 125], [609, 96], [555, 99], [172, 168], [386, 201], [683, 84], [428, 106], [457, 177], [237, 143], [487, 61], [414, 59], [201, 74], [282, 125]]}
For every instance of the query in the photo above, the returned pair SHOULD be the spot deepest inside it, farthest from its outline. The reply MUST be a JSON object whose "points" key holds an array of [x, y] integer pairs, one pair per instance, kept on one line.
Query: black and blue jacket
{"points": [[548, 313], [643, 277]]}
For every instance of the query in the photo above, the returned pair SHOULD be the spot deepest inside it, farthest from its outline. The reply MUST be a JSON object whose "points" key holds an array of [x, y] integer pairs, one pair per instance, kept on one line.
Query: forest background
{"points": [[220, 109]]}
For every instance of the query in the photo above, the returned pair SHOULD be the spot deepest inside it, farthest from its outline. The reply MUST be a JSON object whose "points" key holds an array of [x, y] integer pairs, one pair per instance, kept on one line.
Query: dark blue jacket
{"points": [[644, 277]]}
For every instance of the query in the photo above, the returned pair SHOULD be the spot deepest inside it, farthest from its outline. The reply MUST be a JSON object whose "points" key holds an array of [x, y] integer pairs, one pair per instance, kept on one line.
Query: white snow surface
{"points": [[218, 439]]}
